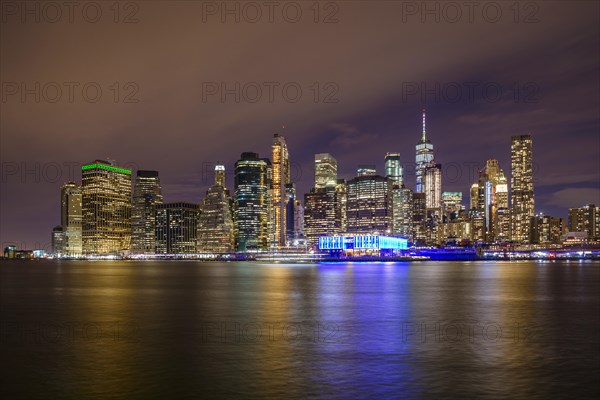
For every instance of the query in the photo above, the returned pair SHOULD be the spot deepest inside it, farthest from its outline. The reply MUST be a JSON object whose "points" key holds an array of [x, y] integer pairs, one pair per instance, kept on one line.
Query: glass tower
{"points": [[281, 177], [424, 156], [147, 194], [70, 219], [521, 191]]}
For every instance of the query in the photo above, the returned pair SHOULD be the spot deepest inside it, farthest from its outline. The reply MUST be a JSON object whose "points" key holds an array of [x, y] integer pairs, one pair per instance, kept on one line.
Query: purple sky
{"points": [[371, 58]]}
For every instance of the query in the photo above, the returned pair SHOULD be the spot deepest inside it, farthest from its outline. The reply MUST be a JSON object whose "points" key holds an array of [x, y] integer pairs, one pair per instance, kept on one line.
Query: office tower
{"points": [[546, 230], [298, 220], [70, 219], [325, 170], [325, 211], [147, 194], [419, 219], [522, 197], [294, 214], [215, 220], [489, 195], [252, 202], [402, 212], [503, 223], [432, 187], [451, 205], [176, 228], [424, 156], [281, 177], [369, 204], [106, 208], [393, 169], [59, 241], [585, 219]]}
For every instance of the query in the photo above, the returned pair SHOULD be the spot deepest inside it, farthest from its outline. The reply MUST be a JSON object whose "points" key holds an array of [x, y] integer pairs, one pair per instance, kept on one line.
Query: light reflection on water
{"points": [[358, 330]]}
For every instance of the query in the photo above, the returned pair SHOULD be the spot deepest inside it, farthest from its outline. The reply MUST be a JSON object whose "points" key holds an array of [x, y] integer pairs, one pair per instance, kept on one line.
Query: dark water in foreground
{"points": [[141, 330]]}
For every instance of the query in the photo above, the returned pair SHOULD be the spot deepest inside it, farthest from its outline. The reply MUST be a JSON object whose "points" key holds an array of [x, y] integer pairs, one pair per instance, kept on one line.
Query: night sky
{"points": [[367, 62]]}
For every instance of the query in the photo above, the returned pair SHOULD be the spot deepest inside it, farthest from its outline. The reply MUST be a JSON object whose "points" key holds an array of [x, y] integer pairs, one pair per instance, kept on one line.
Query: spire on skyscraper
{"points": [[424, 134]]}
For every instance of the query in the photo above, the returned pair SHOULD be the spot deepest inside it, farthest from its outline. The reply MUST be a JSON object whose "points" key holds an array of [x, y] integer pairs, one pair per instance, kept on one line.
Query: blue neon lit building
{"points": [[362, 242]]}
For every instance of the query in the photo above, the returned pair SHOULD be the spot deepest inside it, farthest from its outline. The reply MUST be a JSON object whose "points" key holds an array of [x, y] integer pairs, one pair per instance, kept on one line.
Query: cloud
{"points": [[575, 197], [348, 135]]}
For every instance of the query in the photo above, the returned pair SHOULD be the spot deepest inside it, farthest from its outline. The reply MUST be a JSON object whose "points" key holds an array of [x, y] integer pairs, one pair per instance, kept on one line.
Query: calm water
{"points": [[141, 330]]}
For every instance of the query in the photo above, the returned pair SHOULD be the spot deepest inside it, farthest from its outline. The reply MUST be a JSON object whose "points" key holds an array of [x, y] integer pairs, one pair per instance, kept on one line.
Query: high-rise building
{"points": [[147, 194], [281, 177], [215, 220], [70, 219], [432, 187], [59, 241], [325, 211], [452, 205], [522, 197], [176, 228], [252, 202], [402, 212], [393, 169], [546, 229], [325, 170], [490, 196], [369, 204], [106, 208], [585, 219], [294, 214], [419, 219], [424, 156]]}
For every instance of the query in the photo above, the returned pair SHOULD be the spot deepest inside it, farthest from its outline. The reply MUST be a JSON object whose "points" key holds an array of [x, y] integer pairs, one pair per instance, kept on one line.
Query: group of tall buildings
{"points": [[103, 216]]}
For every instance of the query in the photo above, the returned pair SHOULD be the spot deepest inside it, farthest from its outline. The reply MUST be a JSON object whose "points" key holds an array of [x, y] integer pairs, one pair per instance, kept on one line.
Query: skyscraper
{"points": [[176, 228], [252, 202], [369, 204], [325, 170], [70, 219], [215, 220], [106, 208], [281, 177], [325, 211], [585, 219], [432, 187], [393, 169], [402, 212], [522, 197], [490, 200], [147, 194], [452, 205], [424, 156]]}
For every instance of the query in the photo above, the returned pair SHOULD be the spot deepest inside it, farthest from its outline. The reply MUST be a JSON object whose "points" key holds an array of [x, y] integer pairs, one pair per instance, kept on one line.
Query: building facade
{"points": [[176, 228], [369, 204], [71, 219], [585, 219], [106, 208], [215, 219], [521, 188], [281, 177], [147, 194]]}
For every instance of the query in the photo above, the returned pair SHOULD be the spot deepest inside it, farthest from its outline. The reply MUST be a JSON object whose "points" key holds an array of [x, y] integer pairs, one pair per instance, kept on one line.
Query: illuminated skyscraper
{"points": [[147, 194], [546, 229], [325, 211], [325, 170], [522, 197], [452, 205], [70, 219], [176, 228], [106, 208], [419, 213], [424, 156], [489, 199], [402, 212], [432, 187], [393, 169], [281, 177], [369, 204], [252, 202], [215, 220]]}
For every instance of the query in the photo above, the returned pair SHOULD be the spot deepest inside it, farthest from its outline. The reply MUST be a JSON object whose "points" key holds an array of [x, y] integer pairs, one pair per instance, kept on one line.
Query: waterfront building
{"points": [[147, 194], [402, 212], [252, 203], [281, 177], [71, 219], [419, 212], [521, 190], [325, 211], [176, 228], [215, 219], [546, 229], [363, 245], [489, 195], [59, 241], [106, 208], [369, 204], [585, 219]]}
